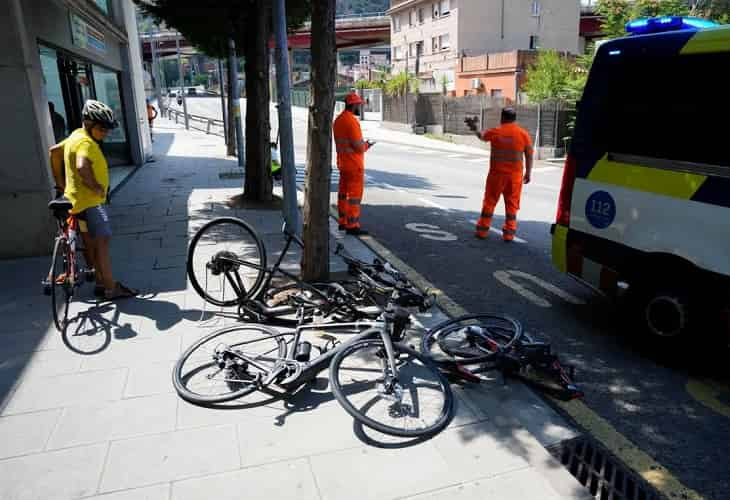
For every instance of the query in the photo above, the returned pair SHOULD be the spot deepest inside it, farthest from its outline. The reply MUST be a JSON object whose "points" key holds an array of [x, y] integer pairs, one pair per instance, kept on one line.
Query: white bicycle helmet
{"points": [[98, 112]]}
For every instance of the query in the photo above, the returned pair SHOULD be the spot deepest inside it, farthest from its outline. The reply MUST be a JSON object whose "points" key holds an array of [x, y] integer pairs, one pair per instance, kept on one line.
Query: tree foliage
{"points": [[401, 84], [548, 77], [616, 13], [208, 24], [346, 7]]}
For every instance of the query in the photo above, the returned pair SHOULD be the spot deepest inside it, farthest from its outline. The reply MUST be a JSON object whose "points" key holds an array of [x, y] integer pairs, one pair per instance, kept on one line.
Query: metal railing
{"points": [[360, 16], [174, 114]]}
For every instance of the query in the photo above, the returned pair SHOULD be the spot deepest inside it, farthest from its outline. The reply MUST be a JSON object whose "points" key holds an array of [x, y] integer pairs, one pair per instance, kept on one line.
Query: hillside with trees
{"points": [[345, 7]]}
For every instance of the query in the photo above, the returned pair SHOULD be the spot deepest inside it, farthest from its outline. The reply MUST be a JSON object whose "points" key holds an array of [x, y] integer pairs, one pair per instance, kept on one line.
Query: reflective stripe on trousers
{"points": [[349, 197], [510, 187]]}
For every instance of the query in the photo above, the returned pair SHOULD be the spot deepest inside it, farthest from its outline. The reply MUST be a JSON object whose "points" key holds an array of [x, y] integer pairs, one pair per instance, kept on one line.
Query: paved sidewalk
{"points": [[108, 424]]}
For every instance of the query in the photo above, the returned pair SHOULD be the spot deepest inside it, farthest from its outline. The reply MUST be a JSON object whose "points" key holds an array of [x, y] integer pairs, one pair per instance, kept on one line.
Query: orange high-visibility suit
{"points": [[510, 143], [351, 149]]}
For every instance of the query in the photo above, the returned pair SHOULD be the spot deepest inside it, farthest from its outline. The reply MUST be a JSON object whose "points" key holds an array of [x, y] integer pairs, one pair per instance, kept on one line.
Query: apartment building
{"points": [[428, 37]]}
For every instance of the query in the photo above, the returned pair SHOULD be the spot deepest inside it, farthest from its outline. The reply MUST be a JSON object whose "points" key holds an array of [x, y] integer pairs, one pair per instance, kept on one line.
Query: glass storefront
{"points": [[69, 81]]}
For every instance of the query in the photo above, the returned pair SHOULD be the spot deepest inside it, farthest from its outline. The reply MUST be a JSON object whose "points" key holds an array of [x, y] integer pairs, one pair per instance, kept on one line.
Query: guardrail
{"points": [[361, 15], [175, 114]]}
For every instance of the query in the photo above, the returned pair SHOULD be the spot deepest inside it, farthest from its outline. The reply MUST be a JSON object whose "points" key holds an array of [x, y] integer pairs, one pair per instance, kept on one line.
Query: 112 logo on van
{"points": [[600, 209]]}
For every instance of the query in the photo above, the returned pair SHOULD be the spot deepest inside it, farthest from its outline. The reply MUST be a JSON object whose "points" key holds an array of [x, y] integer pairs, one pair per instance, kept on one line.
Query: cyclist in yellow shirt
{"points": [[86, 186]]}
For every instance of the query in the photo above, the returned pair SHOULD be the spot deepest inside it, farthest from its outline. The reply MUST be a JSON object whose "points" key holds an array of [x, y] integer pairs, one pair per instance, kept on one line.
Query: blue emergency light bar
{"points": [[667, 23]]}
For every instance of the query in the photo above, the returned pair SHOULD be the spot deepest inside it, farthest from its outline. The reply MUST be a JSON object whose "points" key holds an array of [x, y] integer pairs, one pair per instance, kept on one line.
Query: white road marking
{"points": [[458, 155], [434, 204], [499, 232], [431, 232], [544, 186], [547, 169], [507, 279], [478, 160]]}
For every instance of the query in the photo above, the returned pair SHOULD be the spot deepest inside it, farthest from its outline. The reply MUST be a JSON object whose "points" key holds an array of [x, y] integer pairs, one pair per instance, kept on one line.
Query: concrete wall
{"points": [[49, 22], [25, 184], [483, 28]]}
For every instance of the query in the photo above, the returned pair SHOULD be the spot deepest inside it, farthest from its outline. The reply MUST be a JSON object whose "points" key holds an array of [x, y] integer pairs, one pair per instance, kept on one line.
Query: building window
{"points": [[397, 53], [396, 23], [434, 44], [534, 42], [445, 7], [535, 8], [421, 15], [412, 17], [444, 43], [412, 50], [103, 5], [496, 93], [436, 10]]}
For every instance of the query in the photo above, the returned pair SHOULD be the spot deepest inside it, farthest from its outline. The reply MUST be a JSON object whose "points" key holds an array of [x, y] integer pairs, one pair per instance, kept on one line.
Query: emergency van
{"points": [[644, 205]]}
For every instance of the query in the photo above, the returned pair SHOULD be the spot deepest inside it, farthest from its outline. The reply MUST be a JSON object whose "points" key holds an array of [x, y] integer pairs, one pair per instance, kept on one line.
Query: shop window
{"points": [[54, 93], [106, 84]]}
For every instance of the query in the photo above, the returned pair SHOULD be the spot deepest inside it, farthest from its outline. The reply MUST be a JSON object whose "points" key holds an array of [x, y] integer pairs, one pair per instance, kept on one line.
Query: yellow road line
{"points": [[709, 393], [640, 462]]}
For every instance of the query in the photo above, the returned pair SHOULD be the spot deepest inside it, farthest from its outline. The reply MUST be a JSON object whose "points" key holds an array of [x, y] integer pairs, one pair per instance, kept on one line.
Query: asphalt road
{"points": [[422, 204]]}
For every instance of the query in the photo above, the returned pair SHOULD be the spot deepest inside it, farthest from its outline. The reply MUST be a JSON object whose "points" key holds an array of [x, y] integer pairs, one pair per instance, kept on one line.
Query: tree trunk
{"points": [[231, 129], [258, 185], [315, 260]]}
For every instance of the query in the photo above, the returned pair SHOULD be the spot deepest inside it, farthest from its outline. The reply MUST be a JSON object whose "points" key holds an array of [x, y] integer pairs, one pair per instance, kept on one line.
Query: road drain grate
{"points": [[600, 472]]}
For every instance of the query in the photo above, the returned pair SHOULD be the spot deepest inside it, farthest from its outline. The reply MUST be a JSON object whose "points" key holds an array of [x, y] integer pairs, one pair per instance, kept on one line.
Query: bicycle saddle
{"points": [[60, 207]]}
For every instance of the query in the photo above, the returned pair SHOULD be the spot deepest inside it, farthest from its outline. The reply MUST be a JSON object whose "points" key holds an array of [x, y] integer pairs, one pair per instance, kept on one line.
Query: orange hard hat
{"points": [[353, 98]]}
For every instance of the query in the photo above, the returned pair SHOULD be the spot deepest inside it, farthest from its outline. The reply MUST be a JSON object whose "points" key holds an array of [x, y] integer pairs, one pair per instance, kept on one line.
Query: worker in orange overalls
{"points": [[351, 149], [510, 143]]}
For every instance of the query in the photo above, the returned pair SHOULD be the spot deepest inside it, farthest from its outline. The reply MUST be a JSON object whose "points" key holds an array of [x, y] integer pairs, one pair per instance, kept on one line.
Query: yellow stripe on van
{"points": [[652, 180], [560, 248], [708, 41]]}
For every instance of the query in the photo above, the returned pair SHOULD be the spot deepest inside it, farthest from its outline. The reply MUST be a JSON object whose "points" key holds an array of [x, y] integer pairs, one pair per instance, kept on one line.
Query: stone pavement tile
{"points": [[258, 409], [167, 457], [26, 341], [374, 473], [100, 422], [515, 402], [290, 480], [149, 379], [518, 485], [41, 364], [65, 390], [26, 433], [156, 492], [313, 424], [479, 450], [125, 353], [463, 414], [61, 475]]}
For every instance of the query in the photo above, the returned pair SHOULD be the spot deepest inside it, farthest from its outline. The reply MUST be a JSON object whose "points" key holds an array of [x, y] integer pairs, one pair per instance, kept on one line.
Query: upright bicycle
{"points": [[379, 380], [65, 274]]}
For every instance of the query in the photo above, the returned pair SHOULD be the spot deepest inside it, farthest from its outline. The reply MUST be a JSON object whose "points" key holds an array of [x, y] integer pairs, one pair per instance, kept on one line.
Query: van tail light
{"points": [[566, 192]]}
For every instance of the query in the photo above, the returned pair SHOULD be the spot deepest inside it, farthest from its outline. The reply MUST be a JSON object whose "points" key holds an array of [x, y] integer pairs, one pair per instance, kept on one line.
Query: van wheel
{"points": [[665, 312]]}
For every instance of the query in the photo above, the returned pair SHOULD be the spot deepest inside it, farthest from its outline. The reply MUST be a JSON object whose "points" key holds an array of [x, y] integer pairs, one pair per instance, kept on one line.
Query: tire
{"points": [[665, 312], [199, 357], [226, 234], [474, 338], [60, 291], [348, 374]]}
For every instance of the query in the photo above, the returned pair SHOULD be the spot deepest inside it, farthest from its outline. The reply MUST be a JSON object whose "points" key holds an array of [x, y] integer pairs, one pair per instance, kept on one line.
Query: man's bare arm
{"points": [[83, 165], [528, 167]]}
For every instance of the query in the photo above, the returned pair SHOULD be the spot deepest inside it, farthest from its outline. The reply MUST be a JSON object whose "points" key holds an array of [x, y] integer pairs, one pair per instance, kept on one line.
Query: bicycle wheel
{"points": [[61, 288], [475, 338], [226, 262], [418, 402], [227, 364]]}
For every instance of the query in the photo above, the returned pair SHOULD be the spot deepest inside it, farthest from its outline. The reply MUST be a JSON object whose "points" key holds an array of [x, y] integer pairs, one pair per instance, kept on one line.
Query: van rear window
{"points": [[674, 108]]}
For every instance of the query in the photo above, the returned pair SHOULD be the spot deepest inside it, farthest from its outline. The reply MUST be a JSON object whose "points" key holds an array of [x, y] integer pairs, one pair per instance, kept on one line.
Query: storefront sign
{"points": [[86, 36]]}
